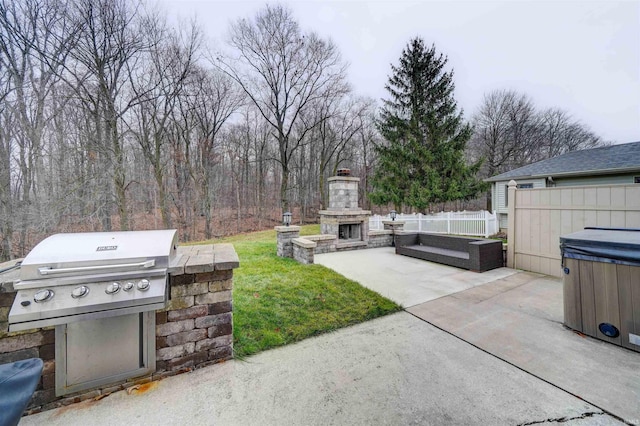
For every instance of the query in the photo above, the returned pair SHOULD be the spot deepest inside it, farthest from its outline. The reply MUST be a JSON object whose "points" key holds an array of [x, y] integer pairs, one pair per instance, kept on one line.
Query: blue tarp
{"points": [[609, 245]]}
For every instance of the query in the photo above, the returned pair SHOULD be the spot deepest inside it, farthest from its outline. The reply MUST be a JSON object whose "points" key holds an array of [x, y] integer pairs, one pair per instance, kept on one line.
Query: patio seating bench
{"points": [[475, 254]]}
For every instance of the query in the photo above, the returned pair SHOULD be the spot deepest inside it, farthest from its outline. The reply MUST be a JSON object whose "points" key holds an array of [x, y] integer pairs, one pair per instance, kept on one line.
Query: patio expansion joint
{"points": [[457, 295], [584, 415]]}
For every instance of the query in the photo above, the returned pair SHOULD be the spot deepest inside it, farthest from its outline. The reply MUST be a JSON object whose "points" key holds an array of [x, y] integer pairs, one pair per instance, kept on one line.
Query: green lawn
{"points": [[277, 301]]}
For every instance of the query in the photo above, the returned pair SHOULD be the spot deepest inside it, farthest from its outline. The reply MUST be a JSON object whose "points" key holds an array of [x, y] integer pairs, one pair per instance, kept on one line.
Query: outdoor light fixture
{"points": [[286, 218], [393, 214]]}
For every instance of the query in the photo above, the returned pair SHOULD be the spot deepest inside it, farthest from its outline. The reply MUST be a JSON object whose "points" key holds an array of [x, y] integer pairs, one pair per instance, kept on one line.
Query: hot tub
{"points": [[602, 284]]}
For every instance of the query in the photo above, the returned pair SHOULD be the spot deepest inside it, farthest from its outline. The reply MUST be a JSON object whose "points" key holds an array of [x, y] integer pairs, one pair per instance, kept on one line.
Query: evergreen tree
{"points": [[422, 160]]}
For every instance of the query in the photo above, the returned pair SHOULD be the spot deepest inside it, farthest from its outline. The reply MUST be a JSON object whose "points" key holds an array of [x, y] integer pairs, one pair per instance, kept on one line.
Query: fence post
{"points": [[486, 223], [419, 222], [511, 225], [448, 222]]}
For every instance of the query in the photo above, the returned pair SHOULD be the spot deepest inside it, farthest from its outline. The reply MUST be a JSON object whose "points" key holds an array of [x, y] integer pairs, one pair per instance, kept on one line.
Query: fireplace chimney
{"points": [[344, 218]]}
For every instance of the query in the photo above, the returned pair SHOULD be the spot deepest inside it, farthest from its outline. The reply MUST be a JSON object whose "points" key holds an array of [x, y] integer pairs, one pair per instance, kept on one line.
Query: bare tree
{"points": [[561, 134], [213, 100], [257, 132], [110, 43], [158, 87], [509, 132], [32, 51], [283, 71], [366, 138], [499, 123], [334, 134], [6, 198]]}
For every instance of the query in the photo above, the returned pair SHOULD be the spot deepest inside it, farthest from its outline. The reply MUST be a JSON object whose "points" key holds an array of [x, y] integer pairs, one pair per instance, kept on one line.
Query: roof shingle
{"points": [[597, 160]]}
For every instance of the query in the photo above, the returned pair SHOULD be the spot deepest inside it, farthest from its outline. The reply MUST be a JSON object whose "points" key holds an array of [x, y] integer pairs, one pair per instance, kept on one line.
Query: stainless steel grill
{"points": [[101, 291], [82, 276]]}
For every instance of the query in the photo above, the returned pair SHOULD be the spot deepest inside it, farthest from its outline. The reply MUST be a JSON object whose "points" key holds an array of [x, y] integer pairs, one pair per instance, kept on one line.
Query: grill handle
{"points": [[47, 270]]}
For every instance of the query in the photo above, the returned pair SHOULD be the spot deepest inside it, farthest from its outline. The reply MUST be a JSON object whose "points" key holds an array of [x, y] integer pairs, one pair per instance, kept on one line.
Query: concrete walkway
{"points": [[394, 370], [401, 369], [405, 280], [513, 315]]}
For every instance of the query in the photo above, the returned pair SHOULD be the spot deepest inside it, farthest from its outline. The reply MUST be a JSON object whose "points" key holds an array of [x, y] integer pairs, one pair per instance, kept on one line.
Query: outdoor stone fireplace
{"points": [[344, 218], [343, 226]]}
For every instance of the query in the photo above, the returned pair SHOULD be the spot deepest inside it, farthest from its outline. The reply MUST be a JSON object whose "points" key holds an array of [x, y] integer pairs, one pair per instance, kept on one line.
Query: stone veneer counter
{"points": [[195, 328]]}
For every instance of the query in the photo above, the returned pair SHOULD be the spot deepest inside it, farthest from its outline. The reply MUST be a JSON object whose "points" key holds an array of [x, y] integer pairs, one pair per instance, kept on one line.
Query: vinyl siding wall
{"points": [[498, 197], [596, 180]]}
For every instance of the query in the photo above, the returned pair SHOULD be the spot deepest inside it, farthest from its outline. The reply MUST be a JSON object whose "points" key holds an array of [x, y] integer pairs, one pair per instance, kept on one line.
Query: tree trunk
{"points": [[162, 194], [119, 176], [284, 187]]}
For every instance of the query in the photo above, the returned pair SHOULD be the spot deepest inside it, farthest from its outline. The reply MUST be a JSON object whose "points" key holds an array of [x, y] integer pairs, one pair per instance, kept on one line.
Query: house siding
{"points": [[499, 191], [597, 180]]}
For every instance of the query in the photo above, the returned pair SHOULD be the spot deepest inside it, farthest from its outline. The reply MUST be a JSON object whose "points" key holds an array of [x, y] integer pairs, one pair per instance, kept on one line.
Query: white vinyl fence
{"points": [[480, 223]]}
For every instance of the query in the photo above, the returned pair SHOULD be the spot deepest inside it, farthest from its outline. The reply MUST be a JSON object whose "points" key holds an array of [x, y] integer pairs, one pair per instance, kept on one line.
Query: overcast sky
{"points": [[581, 56]]}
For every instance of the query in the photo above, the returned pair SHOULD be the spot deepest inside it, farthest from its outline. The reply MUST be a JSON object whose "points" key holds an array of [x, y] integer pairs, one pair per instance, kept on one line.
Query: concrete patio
{"points": [[469, 349]]}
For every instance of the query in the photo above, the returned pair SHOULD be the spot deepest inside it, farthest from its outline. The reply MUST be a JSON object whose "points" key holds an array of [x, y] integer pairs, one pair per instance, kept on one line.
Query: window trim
{"points": [[506, 195], [528, 185]]}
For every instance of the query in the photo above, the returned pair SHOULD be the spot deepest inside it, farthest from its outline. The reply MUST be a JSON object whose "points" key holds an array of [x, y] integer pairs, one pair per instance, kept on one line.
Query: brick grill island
{"points": [[344, 218], [194, 330]]}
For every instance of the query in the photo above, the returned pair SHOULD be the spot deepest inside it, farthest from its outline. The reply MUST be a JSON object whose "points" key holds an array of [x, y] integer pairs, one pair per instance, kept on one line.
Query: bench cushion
{"points": [[442, 251]]}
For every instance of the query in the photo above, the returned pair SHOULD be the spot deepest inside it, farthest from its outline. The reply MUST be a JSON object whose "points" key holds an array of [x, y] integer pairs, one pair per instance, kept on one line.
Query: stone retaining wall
{"points": [[303, 250], [324, 243], [383, 238]]}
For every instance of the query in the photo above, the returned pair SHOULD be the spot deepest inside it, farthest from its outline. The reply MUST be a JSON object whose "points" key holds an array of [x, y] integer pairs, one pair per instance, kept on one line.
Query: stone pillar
{"points": [[196, 327], [285, 235], [393, 225]]}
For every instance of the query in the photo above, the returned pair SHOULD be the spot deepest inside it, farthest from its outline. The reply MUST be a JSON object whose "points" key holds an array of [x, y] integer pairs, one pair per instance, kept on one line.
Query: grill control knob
{"points": [[79, 292], [112, 288], [128, 286], [143, 285], [43, 295]]}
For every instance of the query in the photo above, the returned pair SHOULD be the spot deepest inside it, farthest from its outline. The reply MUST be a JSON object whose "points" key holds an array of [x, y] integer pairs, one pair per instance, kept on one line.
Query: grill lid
{"points": [[77, 277], [91, 253]]}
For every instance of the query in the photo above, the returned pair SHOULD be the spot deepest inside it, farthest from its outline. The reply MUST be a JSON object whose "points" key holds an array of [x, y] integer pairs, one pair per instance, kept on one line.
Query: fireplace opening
{"points": [[349, 231]]}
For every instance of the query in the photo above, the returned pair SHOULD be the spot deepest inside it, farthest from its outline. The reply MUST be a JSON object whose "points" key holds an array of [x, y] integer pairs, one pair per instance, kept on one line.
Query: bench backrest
{"points": [[446, 241]]}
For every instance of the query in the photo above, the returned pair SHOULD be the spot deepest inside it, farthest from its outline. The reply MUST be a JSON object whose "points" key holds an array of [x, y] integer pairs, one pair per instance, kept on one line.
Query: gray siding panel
{"points": [[596, 180], [500, 191]]}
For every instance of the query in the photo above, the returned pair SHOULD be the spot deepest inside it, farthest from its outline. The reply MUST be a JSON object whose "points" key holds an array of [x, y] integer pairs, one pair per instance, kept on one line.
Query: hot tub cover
{"points": [[610, 245]]}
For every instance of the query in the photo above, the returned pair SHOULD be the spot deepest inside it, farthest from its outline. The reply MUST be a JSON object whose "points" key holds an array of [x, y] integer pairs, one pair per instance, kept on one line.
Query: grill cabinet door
{"points": [[103, 351]]}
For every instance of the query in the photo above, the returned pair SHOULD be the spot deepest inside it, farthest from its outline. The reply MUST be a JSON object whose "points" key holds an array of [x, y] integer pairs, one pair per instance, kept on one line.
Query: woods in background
{"points": [[110, 118]]}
